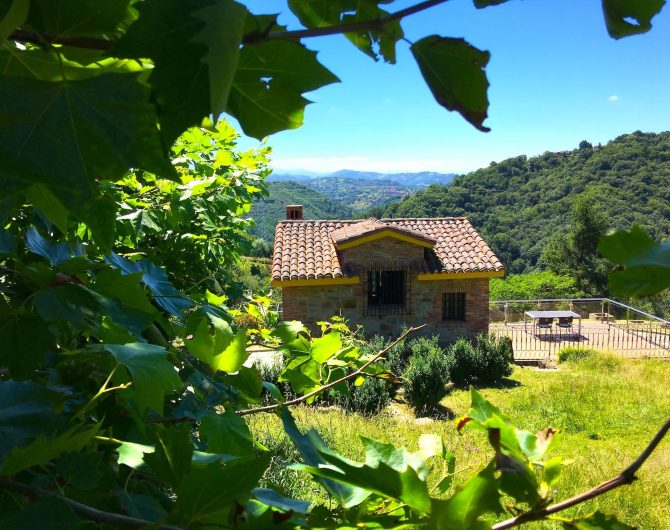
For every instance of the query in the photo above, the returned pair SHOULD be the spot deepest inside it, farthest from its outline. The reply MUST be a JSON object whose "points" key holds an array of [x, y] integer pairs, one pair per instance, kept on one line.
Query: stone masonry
{"points": [[424, 298]]}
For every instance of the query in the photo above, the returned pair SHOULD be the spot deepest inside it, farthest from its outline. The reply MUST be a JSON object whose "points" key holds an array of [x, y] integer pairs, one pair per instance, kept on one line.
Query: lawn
{"points": [[607, 408]]}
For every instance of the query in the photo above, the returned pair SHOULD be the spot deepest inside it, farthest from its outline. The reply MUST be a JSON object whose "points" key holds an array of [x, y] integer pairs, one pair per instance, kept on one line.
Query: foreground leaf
{"points": [[266, 95], [454, 72], [630, 17], [194, 45], [103, 126], [647, 263], [150, 371], [171, 460], [44, 449]]}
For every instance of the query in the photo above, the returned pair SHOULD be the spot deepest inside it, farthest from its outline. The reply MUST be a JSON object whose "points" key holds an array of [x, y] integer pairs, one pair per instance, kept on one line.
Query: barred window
{"points": [[453, 306], [387, 294]]}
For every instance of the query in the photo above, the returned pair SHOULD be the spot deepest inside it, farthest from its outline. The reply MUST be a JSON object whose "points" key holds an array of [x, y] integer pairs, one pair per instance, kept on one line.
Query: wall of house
{"points": [[311, 304]]}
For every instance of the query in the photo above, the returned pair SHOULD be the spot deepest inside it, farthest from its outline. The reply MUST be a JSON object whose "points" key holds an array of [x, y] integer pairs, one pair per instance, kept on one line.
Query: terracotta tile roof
{"points": [[368, 227], [307, 249]]}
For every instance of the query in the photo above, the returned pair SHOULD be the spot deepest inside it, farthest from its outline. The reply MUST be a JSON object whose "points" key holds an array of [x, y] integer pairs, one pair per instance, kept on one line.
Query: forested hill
{"points": [[316, 205], [518, 204]]}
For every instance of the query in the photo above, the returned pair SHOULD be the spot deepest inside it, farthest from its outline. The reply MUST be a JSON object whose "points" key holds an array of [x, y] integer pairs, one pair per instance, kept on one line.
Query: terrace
{"points": [[605, 325]]}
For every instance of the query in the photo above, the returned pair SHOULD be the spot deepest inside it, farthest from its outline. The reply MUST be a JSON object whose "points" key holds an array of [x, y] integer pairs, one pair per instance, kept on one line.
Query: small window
{"points": [[386, 292], [453, 306]]}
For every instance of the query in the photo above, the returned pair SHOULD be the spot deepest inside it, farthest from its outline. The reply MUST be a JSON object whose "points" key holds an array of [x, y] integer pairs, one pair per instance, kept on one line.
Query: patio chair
{"points": [[565, 322], [545, 323]]}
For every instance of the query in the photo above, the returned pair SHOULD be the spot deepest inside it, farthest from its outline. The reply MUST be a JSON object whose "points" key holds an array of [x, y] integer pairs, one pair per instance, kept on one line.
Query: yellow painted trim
{"points": [[381, 234], [316, 282], [461, 275]]}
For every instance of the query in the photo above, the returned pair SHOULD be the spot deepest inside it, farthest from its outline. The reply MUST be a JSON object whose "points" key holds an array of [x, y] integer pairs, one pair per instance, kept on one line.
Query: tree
{"points": [[576, 253], [121, 397]]}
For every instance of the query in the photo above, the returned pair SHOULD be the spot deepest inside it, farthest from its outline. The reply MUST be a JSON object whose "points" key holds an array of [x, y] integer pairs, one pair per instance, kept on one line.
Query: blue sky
{"points": [[556, 78]]}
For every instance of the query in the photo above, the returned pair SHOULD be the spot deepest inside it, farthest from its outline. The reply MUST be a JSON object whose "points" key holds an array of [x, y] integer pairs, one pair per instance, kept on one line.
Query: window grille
{"points": [[453, 306], [388, 292]]}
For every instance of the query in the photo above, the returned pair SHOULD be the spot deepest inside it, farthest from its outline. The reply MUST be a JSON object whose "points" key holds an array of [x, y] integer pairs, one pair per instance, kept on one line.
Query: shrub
{"points": [[396, 359], [485, 362], [427, 375], [575, 353], [370, 398]]}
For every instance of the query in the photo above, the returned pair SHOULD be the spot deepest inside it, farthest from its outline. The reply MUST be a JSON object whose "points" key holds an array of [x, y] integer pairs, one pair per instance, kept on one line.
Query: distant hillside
{"points": [[519, 203], [316, 205], [411, 180], [361, 194]]}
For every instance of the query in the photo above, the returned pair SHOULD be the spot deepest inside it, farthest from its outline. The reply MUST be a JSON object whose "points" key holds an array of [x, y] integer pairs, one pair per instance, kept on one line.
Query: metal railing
{"points": [[604, 324]]}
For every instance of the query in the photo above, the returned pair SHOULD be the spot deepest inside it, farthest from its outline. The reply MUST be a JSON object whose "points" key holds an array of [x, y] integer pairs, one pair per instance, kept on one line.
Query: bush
{"points": [[485, 362], [427, 375], [396, 359], [371, 397], [575, 353]]}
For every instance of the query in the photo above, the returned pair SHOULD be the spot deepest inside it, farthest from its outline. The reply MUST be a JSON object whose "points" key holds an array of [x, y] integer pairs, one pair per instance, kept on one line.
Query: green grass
{"points": [[607, 408]]}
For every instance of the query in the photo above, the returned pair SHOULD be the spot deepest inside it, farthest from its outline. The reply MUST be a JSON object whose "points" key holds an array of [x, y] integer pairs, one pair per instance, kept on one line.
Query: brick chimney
{"points": [[294, 212]]}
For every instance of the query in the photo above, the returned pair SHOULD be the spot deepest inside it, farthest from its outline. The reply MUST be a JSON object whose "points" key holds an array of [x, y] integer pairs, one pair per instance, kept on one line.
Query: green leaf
{"points": [[552, 470], [194, 45], [134, 309], [287, 331], [310, 446], [25, 340], [70, 303], [478, 496], [271, 77], [63, 18], [325, 347], [7, 242], [597, 521], [15, 17], [151, 373], [48, 513], [227, 434], [222, 350], [630, 17], [272, 498], [132, 454], [156, 280], [373, 42], [647, 263], [455, 73], [104, 126], [26, 410], [171, 460], [45, 448], [387, 471], [41, 198], [208, 493], [56, 253]]}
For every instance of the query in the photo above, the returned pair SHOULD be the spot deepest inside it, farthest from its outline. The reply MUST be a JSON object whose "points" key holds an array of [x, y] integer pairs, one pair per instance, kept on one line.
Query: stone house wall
{"points": [[311, 304]]}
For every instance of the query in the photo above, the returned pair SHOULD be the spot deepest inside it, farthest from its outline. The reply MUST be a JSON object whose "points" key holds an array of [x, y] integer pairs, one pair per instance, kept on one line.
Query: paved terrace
{"points": [[634, 340]]}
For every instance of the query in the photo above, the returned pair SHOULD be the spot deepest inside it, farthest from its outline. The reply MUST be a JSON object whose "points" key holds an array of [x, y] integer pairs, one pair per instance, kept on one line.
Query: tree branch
{"points": [[93, 43], [356, 373], [365, 25], [99, 516], [625, 477]]}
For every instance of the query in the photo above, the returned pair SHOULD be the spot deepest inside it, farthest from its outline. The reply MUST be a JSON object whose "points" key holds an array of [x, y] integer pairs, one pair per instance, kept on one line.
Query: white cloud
{"points": [[613, 98]]}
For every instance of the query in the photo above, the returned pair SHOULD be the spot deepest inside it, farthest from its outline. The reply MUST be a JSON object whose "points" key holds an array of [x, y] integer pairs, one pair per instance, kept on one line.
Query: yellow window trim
{"points": [[461, 275], [381, 234], [315, 282]]}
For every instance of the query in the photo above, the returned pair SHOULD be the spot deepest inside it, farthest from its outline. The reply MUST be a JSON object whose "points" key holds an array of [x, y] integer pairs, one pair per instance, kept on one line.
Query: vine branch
{"points": [[356, 373], [625, 477], [94, 43], [99, 516]]}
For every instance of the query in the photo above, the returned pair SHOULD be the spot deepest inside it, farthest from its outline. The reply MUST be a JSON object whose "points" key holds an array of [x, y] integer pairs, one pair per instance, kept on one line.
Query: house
{"points": [[385, 274]]}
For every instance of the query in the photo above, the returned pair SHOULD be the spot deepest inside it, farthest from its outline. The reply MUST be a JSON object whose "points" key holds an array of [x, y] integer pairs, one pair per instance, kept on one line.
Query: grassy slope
{"points": [[607, 408]]}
